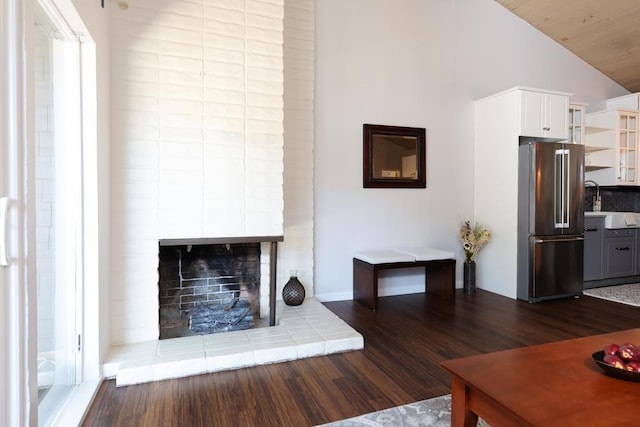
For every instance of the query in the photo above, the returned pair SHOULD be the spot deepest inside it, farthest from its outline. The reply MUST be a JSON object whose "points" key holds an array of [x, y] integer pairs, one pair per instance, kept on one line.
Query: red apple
{"points": [[613, 360], [632, 366], [611, 349], [629, 352]]}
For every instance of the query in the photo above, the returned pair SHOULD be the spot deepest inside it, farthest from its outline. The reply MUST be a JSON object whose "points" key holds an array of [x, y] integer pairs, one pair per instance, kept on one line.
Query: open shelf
{"points": [[594, 148], [588, 168], [595, 129]]}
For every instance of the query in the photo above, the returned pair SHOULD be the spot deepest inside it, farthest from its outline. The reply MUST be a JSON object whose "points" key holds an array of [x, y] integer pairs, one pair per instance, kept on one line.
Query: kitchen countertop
{"points": [[617, 220]]}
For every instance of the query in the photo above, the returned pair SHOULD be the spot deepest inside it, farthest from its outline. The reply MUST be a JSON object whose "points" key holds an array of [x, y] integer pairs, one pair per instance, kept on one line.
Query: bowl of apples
{"points": [[620, 361]]}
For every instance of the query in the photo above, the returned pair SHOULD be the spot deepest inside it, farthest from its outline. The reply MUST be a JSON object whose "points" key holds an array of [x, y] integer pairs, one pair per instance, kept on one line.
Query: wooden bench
{"points": [[440, 271]]}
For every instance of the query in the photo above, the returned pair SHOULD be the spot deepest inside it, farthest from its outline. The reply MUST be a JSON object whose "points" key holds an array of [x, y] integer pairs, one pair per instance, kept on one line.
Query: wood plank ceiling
{"points": [[605, 34]]}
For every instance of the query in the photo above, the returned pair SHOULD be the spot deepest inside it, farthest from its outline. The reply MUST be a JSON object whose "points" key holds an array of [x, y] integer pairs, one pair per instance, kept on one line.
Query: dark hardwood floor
{"points": [[405, 341]]}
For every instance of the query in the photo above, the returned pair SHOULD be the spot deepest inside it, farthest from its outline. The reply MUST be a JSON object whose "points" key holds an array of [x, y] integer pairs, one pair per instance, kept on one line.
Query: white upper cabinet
{"points": [[626, 102], [544, 114]]}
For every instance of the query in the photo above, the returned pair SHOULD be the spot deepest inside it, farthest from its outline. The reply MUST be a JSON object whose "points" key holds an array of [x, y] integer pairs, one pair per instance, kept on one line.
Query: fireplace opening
{"points": [[209, 288]]}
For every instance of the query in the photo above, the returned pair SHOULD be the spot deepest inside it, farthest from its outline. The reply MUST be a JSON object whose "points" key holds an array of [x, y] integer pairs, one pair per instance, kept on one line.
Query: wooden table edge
{"points": [[469, 403]]}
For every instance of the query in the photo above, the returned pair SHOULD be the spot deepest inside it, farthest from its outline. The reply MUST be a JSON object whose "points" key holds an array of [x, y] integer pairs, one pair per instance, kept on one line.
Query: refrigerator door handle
{"points": [[574, 239], [561, 211], [567, 186]]}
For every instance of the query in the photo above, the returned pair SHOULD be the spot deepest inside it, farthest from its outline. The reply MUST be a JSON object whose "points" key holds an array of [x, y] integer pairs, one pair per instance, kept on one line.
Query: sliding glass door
{"points": [[58, 197], [41, 211]]}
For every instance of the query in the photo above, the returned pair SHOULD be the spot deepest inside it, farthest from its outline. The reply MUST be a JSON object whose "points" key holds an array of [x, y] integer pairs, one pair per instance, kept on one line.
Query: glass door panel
{"points": [[576, 118], [57, 130], [623, 139]]}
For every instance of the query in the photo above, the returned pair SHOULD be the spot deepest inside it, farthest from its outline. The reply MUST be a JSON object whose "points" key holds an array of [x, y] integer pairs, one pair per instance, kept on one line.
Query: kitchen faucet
{"points": [[596, 200]]}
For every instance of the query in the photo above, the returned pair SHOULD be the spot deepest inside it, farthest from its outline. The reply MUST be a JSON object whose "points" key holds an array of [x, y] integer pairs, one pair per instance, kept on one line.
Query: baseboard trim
{"points": [[77, 405], [383, 292]]}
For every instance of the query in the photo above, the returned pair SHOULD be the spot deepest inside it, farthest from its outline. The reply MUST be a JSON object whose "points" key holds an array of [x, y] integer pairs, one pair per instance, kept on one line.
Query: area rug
{"points": [[434, 412], [624, 294]]}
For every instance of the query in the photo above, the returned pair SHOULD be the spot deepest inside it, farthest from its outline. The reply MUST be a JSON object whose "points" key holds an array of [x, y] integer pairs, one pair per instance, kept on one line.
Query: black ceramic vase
{"points": [[293, 292], [469, 277]]}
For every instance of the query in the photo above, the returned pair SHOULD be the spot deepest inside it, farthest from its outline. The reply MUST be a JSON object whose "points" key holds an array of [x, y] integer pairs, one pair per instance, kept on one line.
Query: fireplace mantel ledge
{"points": [[220, 240]]}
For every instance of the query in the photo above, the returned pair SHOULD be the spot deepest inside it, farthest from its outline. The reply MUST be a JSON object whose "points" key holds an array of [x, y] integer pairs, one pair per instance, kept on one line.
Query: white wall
{"points": [[415, 63]]}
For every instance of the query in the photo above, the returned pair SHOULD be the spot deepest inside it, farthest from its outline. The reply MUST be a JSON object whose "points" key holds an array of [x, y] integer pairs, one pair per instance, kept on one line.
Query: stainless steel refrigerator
{"points": [[550, 219]]}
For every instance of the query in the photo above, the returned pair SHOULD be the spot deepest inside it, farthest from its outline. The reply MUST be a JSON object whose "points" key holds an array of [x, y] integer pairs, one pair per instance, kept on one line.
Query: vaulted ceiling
{"points": [[605, 34]]}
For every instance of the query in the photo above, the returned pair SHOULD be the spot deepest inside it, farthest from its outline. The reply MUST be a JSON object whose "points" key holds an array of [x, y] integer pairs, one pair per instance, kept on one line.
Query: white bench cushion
{"points": [[427, 254], [383, 256], [403, 255]]}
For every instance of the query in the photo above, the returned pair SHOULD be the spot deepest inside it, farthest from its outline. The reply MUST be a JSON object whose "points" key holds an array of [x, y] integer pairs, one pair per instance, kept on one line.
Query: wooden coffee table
{"points": [[556, 384]]}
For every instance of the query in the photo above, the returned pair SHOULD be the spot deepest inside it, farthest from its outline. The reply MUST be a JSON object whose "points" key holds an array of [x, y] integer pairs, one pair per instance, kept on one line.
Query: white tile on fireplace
{"points": [[328, 327], [179, 365], [302, 330], [308, 337], [197, 340], [276, 341], [110, 369], [229, 358], [267, 333], [298, 326], [134, 373], [311, 347], [284, 351], [226, 340], [341, 338], [178, 346], [144, 352], [339, 345]]}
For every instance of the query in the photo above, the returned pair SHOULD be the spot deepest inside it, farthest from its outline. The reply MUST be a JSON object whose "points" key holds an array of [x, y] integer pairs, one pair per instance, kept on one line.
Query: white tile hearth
{"points": [[307, 330]]}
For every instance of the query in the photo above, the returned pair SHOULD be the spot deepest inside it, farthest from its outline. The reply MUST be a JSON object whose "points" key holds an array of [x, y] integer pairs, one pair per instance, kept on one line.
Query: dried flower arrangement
{"points": [[473, 239]]}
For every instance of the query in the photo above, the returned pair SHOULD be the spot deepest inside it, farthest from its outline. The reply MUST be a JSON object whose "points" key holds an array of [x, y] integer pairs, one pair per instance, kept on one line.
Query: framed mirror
{"points": [[394, 157]]}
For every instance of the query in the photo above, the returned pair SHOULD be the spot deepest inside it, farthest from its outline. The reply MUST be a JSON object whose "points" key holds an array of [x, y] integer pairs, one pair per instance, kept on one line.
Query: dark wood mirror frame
{"points": [[394, 157]]}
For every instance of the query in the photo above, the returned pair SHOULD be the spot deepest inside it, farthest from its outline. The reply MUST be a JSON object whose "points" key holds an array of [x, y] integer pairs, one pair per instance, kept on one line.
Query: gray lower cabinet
{"points": [[619, 252], [636, 268], [593, 230]]}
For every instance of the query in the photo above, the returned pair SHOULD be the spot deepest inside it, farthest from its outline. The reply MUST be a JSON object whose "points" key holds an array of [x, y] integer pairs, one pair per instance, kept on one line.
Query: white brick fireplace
{"points": [[212, 137]]}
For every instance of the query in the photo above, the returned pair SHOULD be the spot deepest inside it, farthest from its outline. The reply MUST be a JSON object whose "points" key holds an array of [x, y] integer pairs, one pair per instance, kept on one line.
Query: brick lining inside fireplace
{"points": [[213, 285], [208, 288]]}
